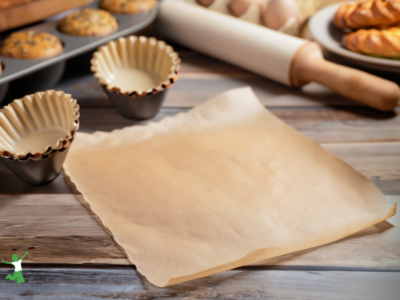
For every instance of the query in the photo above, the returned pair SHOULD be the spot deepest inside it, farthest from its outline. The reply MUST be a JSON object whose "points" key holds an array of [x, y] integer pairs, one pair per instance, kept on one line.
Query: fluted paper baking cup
{"points": [[38, 126], [136, 66]]}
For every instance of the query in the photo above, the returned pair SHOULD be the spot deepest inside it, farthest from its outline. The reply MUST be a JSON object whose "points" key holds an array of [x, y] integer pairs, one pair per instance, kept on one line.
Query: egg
{"points": [[239, 7], [205, 3], [279, 11]]}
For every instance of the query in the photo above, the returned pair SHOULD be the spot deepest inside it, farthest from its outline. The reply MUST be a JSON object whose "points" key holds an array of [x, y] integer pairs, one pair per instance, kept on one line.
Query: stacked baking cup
{"points": [[36, 133], [136, 73]]}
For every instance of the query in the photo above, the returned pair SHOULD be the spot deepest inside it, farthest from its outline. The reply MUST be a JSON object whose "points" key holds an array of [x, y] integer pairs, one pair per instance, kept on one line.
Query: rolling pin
{"points": [[286, 59]]}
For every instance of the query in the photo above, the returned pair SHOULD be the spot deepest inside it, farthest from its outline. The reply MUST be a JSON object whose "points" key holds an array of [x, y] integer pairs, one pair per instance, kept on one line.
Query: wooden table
{"points": [[72, 257]]}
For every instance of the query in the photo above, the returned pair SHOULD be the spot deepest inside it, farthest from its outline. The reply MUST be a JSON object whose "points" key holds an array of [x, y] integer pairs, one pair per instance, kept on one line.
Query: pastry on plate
{"points": [[88, 22], [384, 42], [31, 44], [367, 14], [127, 6]]}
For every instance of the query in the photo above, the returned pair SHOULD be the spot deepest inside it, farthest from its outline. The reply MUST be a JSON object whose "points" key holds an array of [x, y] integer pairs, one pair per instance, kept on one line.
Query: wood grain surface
{"points": [[324, 125], [55, 225], [236, 284], [60, 230]]}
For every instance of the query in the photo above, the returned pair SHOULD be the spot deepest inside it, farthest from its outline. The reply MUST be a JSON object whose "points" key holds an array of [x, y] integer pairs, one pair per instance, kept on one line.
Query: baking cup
{"points": [[136, 72], [36, 133]]}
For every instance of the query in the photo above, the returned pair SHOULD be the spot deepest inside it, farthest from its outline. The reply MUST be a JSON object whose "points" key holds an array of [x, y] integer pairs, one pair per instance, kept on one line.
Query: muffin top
{"points": [[31, 44], [127, 6], [88, 22]]}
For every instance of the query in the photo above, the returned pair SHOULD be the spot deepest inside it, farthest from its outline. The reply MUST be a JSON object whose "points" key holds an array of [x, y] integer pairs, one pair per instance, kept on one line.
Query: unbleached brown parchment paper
{"points": [[223, 185]]}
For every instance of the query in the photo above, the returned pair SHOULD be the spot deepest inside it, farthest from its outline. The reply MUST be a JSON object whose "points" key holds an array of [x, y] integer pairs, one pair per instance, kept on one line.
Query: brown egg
{"points": [[279, 11], [205, 3], [239, 7]]}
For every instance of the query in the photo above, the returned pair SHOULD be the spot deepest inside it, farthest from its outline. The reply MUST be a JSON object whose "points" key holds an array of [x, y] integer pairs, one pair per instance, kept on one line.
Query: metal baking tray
{"points": [[47, 71]]}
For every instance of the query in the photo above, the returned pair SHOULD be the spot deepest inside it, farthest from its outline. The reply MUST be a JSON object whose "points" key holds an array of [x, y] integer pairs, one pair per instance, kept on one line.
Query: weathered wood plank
{"points": [[66, 249], [323, 125], [374, 246], [55, 229], [195, 88], [36, 215], [379, 162], [60, 230], [237, 284], [368, 156], [387, 179]]}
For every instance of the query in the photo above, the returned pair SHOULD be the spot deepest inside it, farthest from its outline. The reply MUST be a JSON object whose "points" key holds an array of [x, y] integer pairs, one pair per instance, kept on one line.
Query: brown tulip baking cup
{"points": [[136, 72], [36, 133]]}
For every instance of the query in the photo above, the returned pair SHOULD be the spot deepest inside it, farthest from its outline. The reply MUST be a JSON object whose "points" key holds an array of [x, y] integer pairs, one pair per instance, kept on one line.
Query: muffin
{"points": [[127, 6], [88, 22], [31, 44]]}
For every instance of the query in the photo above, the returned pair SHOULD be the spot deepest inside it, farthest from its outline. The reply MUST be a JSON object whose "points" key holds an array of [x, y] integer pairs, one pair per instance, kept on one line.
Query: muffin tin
{"points": [[52, 67]]}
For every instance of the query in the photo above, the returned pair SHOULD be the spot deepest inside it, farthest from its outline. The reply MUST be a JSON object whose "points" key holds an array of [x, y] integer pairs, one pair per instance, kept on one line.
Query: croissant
{"points": [[368, 13], [385, 42]]}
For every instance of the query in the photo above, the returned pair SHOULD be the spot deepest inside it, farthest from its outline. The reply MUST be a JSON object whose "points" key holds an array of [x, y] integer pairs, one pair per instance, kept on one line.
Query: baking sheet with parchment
{"points": [[223, 185]]}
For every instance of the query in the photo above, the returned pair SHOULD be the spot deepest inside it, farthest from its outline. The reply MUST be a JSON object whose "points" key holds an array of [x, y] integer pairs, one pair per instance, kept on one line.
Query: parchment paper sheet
{"points": [[221, 186]]}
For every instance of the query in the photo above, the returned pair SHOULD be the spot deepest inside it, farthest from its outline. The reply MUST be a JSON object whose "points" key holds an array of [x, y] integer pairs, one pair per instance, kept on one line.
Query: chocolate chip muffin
{"points": [[127, 6], [88, 22], [31, 44]]}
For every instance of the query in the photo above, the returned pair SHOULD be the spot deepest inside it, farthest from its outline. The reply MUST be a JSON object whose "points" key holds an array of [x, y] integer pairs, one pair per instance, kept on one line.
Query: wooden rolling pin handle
{"points": [[309, 65]]}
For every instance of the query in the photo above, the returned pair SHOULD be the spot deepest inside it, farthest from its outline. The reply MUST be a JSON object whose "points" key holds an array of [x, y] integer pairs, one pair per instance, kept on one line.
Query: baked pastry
{"points": [[127, 6], [88, 22], [384, 42], [368, 13], [31, 44]]}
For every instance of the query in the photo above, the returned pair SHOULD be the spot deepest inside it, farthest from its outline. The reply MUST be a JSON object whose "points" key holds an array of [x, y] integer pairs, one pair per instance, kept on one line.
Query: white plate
{"points": [[325, 32]]}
